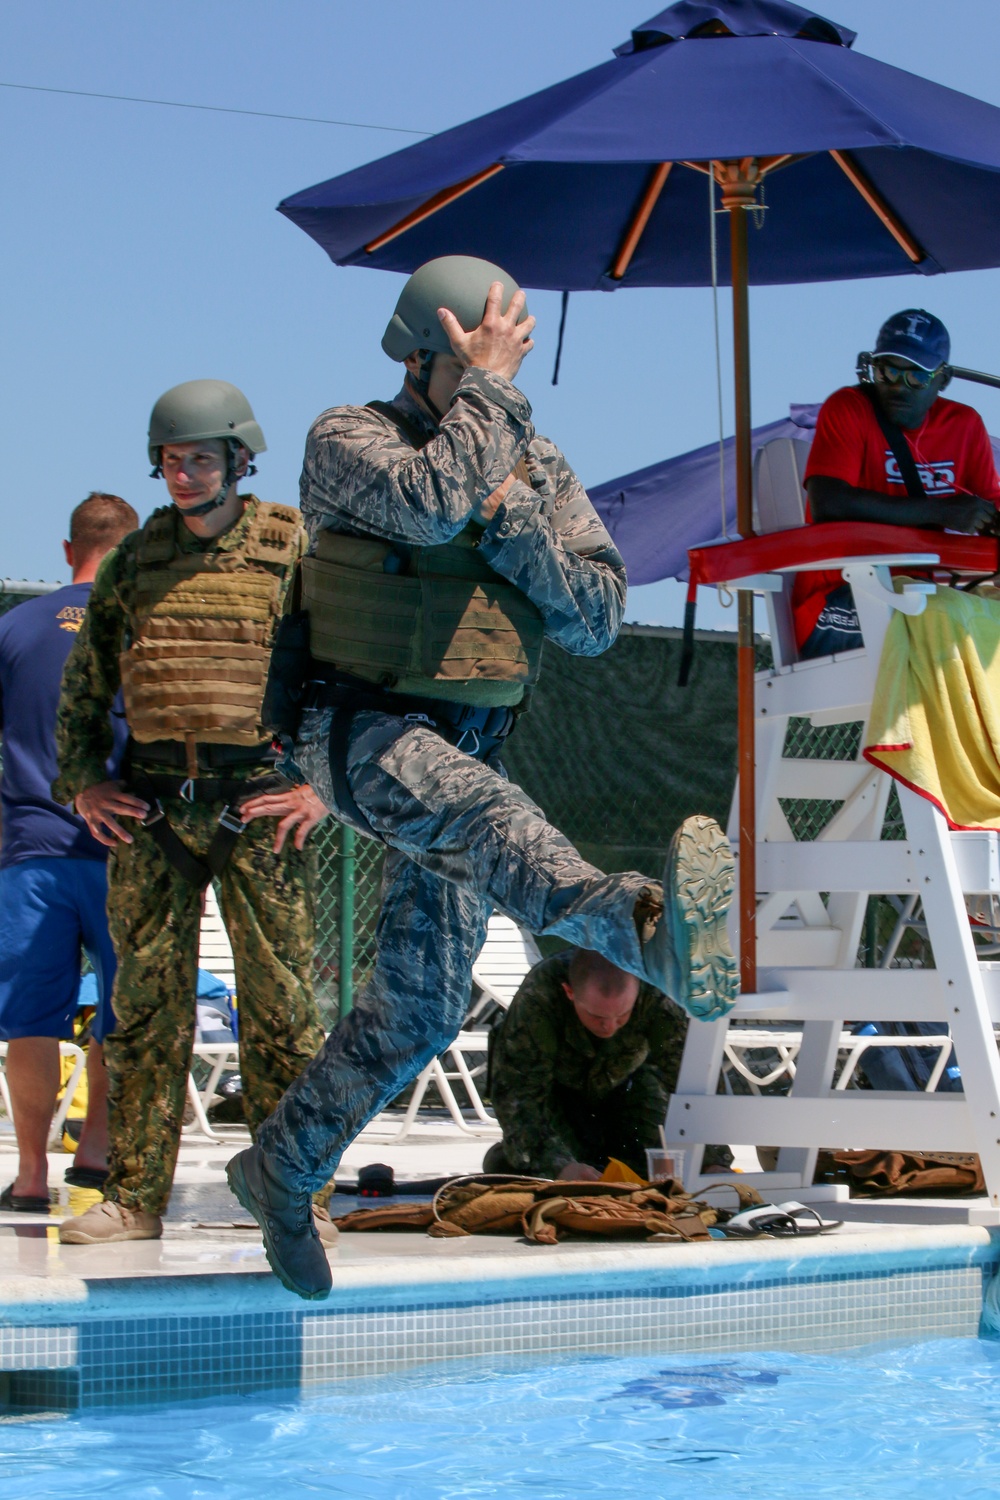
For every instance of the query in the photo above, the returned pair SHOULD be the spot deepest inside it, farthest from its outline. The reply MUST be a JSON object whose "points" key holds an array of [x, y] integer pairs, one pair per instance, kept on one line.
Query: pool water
{"points": [[922, 1420]]}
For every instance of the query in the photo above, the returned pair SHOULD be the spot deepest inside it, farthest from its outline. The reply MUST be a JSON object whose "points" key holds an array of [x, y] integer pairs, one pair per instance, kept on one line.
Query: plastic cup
{"points": [[662, 1164]]}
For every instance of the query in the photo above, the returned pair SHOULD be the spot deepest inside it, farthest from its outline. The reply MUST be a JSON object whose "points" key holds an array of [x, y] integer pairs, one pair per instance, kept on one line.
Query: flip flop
{"points": [[764, 1221], [22, 1204], [779, 1221], [86, 1177], [808, 1220]]}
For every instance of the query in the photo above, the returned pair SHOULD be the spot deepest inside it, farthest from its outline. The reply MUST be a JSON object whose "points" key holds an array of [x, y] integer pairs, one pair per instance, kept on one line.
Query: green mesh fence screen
{"points": [[617, 754]]}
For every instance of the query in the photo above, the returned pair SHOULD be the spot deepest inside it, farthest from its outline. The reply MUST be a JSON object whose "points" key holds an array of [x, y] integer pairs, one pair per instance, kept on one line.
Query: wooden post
{"points": [[739, 183]]}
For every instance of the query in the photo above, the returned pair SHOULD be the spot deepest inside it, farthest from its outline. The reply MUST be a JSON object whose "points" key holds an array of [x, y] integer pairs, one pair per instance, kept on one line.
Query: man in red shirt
{"points": [[853, 474]]}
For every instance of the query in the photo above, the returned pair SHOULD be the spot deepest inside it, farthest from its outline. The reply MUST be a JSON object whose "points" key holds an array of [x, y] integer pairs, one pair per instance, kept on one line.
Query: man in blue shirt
{"points": [[53, 883]]}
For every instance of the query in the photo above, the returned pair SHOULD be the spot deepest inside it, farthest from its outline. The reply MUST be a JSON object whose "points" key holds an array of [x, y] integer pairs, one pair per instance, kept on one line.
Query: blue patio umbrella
{"points": [[870, 171], [853, 167]]}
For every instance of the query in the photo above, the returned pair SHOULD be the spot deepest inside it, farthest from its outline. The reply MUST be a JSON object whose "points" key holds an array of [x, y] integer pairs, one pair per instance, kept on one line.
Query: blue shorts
{"points": [[51, 912]]}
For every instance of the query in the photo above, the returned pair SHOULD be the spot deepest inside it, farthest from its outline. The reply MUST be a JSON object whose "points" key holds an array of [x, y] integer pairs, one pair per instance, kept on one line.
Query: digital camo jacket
{"points": [[540, 1046], [361, 477]]}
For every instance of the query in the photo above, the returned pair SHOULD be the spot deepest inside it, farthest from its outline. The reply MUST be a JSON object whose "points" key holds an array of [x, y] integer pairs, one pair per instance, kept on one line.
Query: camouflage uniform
{"points": [[461, 838], [563, 1094], [154, 918]]}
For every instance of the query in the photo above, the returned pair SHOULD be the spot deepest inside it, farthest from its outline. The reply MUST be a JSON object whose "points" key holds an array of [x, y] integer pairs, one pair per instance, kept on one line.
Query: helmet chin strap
{"points": [[207, 506], [421, 383]]}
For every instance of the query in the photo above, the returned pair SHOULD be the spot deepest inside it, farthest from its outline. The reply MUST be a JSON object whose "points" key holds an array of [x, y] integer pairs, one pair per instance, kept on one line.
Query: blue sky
{"points": [[141, 246]]}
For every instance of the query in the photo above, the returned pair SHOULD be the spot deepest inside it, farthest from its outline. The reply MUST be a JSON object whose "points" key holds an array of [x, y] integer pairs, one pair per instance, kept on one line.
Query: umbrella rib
{"points": [[432, 206], [650, 196], [870, 193]]}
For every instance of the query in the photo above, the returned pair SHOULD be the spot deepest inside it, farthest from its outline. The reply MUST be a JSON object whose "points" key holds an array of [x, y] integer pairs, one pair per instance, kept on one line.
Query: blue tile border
{"points": [[169, 1339], [167, 1359]]}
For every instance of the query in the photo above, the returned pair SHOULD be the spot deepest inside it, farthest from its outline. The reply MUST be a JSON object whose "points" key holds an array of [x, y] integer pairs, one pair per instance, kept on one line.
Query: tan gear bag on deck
{"points": [[544, 1211]]}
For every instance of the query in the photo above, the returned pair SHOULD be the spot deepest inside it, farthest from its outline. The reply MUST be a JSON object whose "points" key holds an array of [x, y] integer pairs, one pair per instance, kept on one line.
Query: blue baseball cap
{"points": [[915, 335]]}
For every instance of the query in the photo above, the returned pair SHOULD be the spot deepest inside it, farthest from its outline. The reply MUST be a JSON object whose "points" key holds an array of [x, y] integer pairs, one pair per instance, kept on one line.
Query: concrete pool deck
{"points": [[206, 1232], [198, 1313]]}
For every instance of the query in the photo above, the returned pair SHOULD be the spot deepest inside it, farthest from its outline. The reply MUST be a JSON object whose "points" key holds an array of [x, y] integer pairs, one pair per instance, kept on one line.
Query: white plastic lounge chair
{"points": [[215, 953]]}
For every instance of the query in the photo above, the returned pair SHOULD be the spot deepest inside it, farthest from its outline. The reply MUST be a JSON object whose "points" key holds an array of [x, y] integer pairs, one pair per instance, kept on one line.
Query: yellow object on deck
{"points": [[935, 723], [617, 1171], [78, 1105]]}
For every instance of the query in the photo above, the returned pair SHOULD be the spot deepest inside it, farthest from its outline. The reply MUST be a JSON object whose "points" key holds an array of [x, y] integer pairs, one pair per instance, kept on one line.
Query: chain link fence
{"points": [[354, 872]]}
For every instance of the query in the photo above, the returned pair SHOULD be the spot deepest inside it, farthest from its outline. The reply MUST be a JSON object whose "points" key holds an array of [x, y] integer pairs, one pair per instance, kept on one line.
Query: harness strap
{"points": [[196, 871], [340, 734], [901, 450], [478, 732], [210, 757]]}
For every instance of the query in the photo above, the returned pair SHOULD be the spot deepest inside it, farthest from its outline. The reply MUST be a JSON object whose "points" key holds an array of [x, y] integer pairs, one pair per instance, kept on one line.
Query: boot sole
{"points": [[240, 1189], [700, 877]]}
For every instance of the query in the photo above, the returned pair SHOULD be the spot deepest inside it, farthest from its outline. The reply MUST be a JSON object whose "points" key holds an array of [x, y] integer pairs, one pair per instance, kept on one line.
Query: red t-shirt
{"points": [[951, 448]]}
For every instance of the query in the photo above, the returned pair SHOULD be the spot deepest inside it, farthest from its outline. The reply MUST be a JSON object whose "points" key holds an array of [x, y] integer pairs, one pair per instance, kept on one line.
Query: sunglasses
{"points": [[886, 373]]}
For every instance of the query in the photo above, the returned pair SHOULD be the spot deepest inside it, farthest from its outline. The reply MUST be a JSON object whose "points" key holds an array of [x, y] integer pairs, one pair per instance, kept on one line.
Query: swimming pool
{"points": [[883, 1422]]}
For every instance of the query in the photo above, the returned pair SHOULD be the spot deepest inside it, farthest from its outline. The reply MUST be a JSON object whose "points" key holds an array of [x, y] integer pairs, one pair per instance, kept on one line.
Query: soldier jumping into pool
{"points": [[448, 541]]}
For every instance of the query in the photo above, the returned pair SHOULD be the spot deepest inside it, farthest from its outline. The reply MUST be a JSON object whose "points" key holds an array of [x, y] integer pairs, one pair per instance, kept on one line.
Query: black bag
{"points": [[290, 669]]}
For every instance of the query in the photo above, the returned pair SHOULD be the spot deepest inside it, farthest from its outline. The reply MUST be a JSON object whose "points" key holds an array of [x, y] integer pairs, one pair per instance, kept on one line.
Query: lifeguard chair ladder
{"points": [[813, 893]]}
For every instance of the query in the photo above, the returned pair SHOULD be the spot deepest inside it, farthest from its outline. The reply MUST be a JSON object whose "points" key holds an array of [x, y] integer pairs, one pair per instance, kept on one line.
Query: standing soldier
{"points": [[448, 540], [182, 616]]}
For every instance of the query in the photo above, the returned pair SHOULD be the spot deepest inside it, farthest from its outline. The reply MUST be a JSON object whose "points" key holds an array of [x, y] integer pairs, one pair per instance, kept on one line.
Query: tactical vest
{"points": [[419, 615], [201, 626]]}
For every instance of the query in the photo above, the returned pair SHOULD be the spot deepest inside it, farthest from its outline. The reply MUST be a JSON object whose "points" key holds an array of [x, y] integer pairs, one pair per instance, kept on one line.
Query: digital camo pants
{"points": [[154, 917], [461, 840]]}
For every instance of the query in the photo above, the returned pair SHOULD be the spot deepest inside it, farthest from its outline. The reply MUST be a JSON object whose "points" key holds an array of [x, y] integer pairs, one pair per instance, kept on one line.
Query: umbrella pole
{"points": [[738, 188]]}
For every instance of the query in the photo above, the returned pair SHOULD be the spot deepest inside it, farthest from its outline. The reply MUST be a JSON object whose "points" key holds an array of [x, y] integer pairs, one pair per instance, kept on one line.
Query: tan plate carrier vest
{"points": [[448, 618], [202, 625]]}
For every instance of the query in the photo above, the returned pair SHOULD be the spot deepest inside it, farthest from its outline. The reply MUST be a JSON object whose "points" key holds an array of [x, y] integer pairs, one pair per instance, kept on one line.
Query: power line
{"points": [[218, 109]]}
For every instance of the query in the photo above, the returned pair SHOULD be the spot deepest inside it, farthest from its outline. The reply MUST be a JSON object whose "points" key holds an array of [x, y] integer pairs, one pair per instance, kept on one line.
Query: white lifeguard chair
{"points": [[812, 894]]}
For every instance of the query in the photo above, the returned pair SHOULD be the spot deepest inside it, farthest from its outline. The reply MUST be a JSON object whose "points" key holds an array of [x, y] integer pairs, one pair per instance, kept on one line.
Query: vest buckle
{"points": [[186, 789], [472, 734], [231, 819], [155, 814]]}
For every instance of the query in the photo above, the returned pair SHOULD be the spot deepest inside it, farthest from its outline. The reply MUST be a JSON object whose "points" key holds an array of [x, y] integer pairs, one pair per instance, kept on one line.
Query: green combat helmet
{"points": [[201, 409], [458, 282]]}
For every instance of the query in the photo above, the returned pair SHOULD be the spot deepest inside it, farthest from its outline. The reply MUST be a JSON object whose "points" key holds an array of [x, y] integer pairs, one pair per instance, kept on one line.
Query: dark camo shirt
{"points": [[541, 1043]]}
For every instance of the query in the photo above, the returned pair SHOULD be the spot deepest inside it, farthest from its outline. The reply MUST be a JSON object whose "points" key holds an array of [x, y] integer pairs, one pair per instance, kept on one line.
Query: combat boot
{"points": [[685, 945], [106, 1223], [291, 1241]]}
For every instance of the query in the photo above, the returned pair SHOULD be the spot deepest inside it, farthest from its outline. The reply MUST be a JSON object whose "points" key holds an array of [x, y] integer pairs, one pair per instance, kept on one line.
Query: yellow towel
{"points": [[935, 721]]}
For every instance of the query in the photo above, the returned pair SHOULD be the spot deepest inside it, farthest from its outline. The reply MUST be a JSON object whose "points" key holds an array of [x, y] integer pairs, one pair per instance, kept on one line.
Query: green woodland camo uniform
{"points": [[461, 839], [154, 911], [562, 1094]]}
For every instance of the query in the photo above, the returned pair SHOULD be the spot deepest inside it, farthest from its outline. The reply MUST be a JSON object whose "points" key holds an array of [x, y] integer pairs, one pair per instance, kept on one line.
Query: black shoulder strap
{"points": [[410, 430], [894, 436]]}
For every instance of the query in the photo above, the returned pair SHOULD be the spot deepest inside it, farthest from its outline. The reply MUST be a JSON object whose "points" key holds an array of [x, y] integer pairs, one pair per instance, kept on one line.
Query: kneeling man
{"points": [[581, 1069]]}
